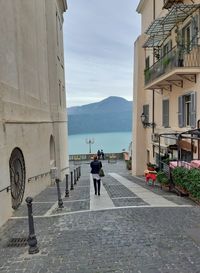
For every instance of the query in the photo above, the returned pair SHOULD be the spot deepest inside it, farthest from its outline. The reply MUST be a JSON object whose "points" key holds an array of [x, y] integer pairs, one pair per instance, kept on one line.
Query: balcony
{"points": [[169, 3], [172, 68]]}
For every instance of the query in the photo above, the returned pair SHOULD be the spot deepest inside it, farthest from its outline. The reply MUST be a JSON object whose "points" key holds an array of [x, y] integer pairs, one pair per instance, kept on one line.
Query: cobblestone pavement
{"points": [[131, 237]]}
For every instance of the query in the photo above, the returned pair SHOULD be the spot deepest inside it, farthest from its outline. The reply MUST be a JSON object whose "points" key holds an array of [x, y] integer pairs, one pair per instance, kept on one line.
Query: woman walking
{"points": [[96, 165]]}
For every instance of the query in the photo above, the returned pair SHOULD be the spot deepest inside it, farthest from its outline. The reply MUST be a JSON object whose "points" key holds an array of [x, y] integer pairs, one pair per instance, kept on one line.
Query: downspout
{"points": [[198, 142], [153, 95]]}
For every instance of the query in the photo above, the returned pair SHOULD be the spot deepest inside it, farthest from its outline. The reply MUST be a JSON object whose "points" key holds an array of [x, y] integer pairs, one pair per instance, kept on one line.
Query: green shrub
{"points": [[180, 177], [193, 184], [189, 180], [162, 178]]}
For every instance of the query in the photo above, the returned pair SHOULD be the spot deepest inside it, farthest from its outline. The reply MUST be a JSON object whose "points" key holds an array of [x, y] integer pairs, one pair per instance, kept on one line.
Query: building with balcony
{"points": [[166, 81], [33, 122]]}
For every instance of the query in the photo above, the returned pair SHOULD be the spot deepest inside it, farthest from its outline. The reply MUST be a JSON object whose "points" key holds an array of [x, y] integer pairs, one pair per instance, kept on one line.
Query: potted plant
{"points": [[151, 166], [166, 60], [147, 74], [163, 179]]}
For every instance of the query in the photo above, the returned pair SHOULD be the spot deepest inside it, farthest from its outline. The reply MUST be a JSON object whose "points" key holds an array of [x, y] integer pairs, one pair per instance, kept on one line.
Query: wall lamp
{"points": [[145, 123]]}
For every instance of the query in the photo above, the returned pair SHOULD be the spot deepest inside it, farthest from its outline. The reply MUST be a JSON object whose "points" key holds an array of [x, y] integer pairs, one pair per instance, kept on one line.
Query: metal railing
{"points": [[82, 157], [176, 58], [6, 189], [169, 3]]}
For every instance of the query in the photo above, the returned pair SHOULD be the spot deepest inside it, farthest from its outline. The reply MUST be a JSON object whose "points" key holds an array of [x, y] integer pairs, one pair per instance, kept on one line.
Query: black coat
{"points": [[95, 166]]}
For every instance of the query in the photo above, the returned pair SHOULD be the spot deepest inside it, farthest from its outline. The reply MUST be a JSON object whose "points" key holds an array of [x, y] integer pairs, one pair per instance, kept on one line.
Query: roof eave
{"points": [[64, 5], [140, 6]]}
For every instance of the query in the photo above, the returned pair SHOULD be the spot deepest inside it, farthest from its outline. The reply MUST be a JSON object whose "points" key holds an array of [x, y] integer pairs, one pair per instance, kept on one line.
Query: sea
{"points": [[114, 142]]}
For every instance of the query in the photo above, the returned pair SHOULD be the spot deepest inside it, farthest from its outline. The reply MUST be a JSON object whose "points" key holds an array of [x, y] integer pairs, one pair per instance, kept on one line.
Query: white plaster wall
{"points": [[29, 106]]}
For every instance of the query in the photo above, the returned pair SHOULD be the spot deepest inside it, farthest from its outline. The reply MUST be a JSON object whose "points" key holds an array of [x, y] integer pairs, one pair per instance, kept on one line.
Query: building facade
{"points": [[166, 80], [33, 121]]}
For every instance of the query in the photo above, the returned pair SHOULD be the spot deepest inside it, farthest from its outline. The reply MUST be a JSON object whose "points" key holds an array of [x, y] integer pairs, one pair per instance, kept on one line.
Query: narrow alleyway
{"points": [[131, 227]]}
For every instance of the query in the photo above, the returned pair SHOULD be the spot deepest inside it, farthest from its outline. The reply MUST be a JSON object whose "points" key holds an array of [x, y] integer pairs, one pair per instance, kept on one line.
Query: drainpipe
{"points": [[198, 142], [153, 95]]}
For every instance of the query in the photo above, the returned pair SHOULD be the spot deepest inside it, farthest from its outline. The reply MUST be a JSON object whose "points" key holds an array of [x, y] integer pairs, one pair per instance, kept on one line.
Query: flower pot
{"points": [[151, 168]]}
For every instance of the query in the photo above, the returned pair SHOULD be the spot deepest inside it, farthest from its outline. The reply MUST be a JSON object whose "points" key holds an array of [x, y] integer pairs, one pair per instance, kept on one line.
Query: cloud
{"points": [[98, 42]]}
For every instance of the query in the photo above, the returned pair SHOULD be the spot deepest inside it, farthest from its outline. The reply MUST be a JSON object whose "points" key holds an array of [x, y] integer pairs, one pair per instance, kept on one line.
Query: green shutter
{"points": [[165, 113], [193, 110], [194, 30], [180, 112]]}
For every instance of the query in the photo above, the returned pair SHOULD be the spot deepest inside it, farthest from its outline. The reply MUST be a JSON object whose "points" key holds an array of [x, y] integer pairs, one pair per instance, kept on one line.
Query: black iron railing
{"points": [[176, 58], [5, 189]]}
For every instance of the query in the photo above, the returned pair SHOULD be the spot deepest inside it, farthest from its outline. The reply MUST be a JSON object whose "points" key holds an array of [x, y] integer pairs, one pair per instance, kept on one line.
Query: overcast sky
{"points": [[98, 43]]}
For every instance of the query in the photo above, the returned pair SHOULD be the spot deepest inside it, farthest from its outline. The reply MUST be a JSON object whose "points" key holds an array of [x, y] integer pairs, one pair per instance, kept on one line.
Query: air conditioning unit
{"points": [[155, 137]]}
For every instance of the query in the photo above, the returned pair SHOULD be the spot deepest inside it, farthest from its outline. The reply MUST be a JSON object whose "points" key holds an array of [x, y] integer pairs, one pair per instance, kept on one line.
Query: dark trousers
{"points": [[97, 185]]}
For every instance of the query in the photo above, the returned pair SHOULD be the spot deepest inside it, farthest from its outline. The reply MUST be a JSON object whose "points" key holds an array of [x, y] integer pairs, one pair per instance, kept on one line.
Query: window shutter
{"points": [[194, 30], [193, 110], [166, 113], [180, 112]]}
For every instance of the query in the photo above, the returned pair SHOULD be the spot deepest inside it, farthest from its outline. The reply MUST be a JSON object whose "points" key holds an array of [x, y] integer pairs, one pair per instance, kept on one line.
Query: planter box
{"points": [[180, 191], [197, 201], [165, 187]]}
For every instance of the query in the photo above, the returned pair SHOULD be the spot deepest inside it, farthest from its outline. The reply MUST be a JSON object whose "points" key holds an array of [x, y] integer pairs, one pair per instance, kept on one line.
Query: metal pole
{"points": [[77, 176], [60, 202], [32, 240], [67, 186], [74, 176], [72, 186], [79, 171], [89, 146]]}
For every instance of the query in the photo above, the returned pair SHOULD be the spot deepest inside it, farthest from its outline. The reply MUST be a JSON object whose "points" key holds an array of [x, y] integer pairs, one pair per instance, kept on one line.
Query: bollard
{"points": [[60, 202], [32, 240], [74, 176], [77, 176], [67, 186], [79, 171], [72, 186]]}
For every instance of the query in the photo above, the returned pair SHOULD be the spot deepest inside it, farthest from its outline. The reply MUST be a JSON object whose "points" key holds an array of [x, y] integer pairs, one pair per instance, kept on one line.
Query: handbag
{"points": [[101, 173]]}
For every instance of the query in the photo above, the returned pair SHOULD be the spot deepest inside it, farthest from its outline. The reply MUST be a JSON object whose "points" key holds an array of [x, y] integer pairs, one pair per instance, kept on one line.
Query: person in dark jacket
{"points": [[96, 165], [98, 154]]}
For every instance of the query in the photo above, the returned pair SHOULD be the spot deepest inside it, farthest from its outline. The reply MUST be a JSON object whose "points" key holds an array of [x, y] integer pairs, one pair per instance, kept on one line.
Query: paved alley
{"points": [[130, 227]]}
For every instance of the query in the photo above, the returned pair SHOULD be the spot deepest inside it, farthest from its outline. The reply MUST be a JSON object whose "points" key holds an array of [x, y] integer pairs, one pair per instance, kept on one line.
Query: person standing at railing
{"points": [[102, 154]]}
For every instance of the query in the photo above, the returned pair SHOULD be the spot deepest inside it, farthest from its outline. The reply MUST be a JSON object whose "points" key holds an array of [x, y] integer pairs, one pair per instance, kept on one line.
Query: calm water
{"points": [[109, 142]]}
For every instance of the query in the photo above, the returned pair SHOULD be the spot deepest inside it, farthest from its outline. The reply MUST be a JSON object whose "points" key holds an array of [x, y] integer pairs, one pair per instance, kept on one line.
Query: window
{"points": [[147, 63], [187, 110], [167, 47], [165, 113], [187, 38], [146, 112]]}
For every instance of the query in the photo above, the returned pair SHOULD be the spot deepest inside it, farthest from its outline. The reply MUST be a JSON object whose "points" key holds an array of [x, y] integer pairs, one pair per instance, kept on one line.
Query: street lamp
{"points": [[89, 141], [145, 123]]}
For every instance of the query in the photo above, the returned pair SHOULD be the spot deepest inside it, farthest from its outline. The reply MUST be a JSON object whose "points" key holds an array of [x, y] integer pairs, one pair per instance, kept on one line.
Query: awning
{"points": [[161, 27]]}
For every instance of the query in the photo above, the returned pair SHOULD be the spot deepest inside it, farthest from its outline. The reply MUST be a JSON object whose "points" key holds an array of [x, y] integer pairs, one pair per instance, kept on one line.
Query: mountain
{"points": [[113, 114]]}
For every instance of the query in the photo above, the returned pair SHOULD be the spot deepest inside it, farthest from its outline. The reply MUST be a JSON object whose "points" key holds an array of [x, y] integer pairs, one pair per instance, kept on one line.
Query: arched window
{"points": [[17, 177]]}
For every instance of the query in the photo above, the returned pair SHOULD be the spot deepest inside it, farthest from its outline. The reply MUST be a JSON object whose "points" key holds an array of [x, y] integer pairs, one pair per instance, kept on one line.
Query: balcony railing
{"points": [[176, 58], [169, 3]]}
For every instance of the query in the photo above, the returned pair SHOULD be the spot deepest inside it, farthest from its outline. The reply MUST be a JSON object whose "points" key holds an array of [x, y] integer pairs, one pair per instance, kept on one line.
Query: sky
{"points": [[98, 45]]}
